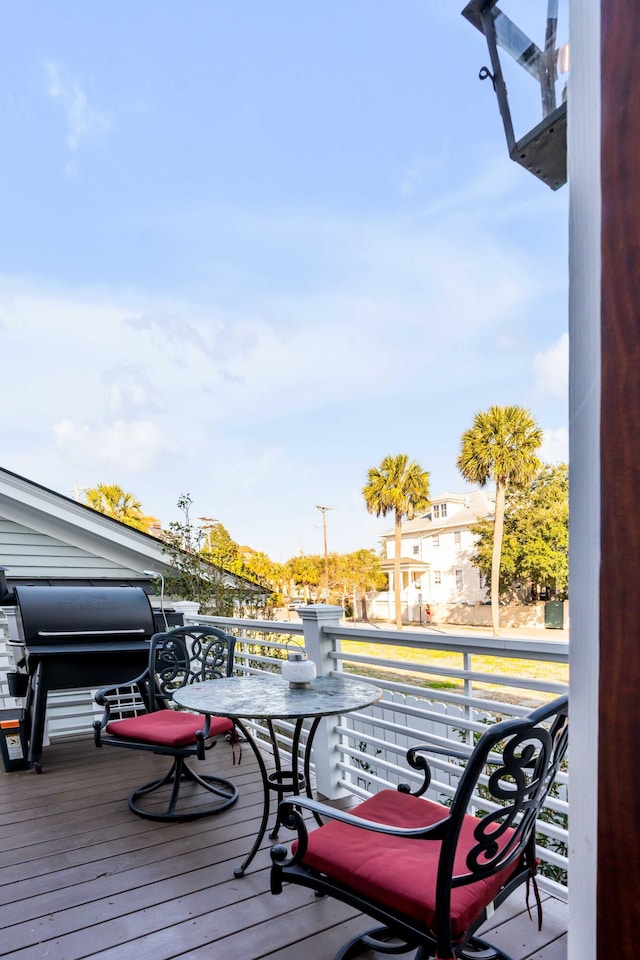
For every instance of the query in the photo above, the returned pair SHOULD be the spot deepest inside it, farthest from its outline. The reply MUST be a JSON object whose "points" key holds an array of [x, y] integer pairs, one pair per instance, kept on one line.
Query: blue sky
{"points": [[249, 249]]}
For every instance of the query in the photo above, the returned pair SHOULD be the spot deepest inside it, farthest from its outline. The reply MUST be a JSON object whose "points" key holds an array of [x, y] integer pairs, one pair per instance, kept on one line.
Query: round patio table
{"points": [[268, 697]]}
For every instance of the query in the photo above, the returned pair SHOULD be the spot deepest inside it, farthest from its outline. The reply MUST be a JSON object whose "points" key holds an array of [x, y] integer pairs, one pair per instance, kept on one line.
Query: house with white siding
{"points": [[435, 561], [48, 538]]}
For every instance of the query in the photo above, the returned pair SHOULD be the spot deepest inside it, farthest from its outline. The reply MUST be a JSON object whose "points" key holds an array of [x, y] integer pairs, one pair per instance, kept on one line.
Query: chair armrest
{"points": [[417, 760], [461, 752], [434, 831], [291, 817], [102, 698], [103, 693]]}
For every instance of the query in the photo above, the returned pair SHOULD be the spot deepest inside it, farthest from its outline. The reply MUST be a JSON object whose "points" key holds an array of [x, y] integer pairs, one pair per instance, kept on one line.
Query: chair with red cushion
{"points": [[138, 715], [432, 874]]}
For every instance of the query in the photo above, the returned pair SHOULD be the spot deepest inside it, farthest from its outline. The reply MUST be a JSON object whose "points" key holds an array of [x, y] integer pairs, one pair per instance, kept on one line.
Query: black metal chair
{"points": [[431, 874], [138, 716]]}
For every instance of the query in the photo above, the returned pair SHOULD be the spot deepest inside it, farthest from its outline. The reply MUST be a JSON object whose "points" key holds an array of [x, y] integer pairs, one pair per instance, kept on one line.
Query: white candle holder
{"points": [[297, 669]]}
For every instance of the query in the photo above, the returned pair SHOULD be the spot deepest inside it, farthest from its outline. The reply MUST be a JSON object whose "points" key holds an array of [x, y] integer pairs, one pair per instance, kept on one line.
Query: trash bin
{"points": [[554, 614], [18, 684], [13, 740]]}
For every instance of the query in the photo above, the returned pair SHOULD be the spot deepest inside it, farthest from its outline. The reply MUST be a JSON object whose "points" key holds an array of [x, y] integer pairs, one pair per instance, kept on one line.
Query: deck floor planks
{"points": [[84, 879]]}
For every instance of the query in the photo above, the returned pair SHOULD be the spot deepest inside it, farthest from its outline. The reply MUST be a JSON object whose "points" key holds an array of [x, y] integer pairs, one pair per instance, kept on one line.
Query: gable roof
{"points": [[463, 510], [45, 535]]}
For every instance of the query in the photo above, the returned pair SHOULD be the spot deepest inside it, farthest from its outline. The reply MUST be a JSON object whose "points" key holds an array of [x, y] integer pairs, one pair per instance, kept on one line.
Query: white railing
{"points": [[423, 699]]}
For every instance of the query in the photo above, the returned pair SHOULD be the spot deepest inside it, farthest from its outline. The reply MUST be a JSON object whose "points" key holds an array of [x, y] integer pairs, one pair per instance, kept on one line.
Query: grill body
{"points": [[78, 637]]}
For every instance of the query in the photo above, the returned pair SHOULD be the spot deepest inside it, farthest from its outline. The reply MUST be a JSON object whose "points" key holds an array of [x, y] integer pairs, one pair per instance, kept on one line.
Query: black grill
{"points": [[78, 637]]}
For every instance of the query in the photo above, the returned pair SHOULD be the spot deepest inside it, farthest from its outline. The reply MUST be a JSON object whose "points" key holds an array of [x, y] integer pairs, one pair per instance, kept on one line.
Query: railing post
{"points": [[7, 654], [318, 647], [188, 608]]}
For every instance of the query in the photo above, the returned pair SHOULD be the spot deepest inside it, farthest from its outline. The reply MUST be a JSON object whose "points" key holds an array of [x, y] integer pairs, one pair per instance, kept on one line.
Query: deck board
{"points": [[85, 879]]}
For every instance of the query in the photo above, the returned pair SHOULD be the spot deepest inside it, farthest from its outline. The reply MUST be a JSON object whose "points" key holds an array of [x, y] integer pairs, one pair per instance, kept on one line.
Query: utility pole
{"points": [[323, 511]]}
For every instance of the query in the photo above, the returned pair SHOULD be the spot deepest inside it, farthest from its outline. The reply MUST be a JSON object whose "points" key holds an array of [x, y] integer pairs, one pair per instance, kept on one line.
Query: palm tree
{"points": [[113, 501], [500, 446], [402, 488]]}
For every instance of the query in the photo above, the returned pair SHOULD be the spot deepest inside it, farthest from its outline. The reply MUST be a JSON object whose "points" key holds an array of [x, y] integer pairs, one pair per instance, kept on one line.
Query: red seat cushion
{"points": [[398, 872], [167, 728]]}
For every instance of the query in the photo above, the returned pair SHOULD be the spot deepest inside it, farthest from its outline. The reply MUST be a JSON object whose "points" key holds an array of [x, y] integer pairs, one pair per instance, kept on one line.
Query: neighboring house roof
{"points": [[406, 563], [47, 536], [463, 510]]}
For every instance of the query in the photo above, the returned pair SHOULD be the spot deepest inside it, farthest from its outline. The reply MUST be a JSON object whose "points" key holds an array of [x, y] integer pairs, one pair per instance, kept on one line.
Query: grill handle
{"points": [[89, 633]]}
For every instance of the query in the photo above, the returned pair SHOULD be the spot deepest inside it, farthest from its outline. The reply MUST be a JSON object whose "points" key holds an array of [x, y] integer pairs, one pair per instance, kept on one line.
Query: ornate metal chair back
{"points": [[187, 655]]}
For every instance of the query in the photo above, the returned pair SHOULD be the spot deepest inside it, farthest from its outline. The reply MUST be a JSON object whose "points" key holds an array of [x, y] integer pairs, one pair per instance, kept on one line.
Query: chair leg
{"points": [[381, 939], [225, 791], [477, 949]]}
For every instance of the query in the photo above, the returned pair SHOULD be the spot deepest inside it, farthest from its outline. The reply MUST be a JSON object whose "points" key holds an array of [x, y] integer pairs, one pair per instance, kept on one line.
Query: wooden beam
{"points": [[618, 908]]}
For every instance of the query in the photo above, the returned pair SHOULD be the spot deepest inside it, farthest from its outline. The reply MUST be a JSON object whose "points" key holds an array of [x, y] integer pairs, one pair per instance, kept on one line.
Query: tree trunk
{"points": [[397, 583], [498, 528]]}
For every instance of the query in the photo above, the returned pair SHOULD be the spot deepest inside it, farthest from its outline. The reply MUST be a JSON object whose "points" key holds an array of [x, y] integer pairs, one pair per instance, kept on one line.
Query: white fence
{"points": [[424, 698], [433, 689]]}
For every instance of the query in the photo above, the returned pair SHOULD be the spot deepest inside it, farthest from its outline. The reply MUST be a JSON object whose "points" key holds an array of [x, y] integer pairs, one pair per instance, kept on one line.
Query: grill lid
{"points": [[83, 615]]}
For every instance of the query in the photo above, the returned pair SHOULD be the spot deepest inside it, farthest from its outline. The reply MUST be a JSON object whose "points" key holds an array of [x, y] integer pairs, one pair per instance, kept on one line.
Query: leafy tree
{"points": [[192, 577], [111, 500], [401, 488], [221, 548], [264, 570], [535, 545], [305, 571], [360, 572], [500, 446]]}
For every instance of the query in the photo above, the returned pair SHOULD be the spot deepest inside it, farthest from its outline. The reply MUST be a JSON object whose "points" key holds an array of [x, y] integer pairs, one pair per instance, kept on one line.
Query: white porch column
{"points": [[326, 747], [584, 419]]}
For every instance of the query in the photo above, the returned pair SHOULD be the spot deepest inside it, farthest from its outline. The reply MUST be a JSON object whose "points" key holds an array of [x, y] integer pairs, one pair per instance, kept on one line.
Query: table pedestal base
{"points": [[281, 781]]}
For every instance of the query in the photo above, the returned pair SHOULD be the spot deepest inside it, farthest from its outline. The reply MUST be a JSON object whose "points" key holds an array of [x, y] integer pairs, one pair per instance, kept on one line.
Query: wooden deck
{"points": [[82, 877]]}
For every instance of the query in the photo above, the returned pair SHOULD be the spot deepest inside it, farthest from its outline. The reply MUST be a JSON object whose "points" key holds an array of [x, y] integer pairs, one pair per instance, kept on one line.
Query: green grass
{"points": [[444, 659]]}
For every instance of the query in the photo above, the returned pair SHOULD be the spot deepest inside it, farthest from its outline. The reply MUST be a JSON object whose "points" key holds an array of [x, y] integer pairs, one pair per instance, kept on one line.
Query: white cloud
{"points": [[405, 290], [130, 390], [415, 174], [555, 446], [83, 120], [138, 445], [551, 367], [270, 395]]}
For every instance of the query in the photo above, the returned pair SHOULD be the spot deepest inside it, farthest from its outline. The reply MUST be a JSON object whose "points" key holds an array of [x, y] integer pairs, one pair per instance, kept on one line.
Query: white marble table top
{"points": [[270, 697]]}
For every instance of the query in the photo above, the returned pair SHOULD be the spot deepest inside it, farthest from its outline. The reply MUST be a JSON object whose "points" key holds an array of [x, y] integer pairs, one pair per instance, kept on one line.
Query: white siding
{"points": [[30, 553]]}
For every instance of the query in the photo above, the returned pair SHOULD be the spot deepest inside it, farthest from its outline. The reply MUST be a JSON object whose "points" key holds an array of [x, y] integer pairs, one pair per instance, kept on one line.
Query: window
{"points": [[435, 540], [456, 538], [437, 576], [416, 549], [439, 510], [458, 579]]}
